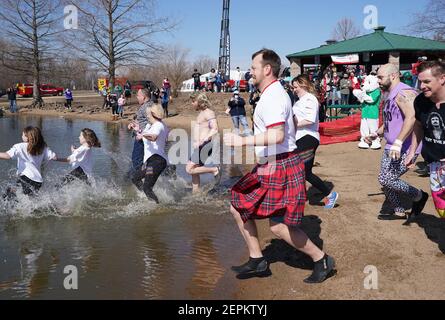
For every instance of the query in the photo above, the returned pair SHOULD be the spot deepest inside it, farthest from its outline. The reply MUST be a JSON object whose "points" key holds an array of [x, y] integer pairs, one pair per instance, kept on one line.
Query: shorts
{"points": [[201, 154]]}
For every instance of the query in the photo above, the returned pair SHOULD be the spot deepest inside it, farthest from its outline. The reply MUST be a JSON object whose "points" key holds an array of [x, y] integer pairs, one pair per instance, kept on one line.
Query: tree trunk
{"points": [[37, 99], [111, 60]]}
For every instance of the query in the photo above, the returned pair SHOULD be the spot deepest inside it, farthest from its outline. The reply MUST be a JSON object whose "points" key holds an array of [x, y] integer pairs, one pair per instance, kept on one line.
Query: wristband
{"points": [[398, 142], [396, 148]]}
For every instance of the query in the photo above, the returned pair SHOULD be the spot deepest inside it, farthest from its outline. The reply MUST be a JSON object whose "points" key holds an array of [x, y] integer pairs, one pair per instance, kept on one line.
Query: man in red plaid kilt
{"points": [[275, 189]]}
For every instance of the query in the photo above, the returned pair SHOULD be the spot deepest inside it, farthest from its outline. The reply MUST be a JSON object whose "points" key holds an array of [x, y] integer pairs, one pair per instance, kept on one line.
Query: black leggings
{"points": [[150, 173], [114, 107], [76, 174], [307, 147], [29, 187]]}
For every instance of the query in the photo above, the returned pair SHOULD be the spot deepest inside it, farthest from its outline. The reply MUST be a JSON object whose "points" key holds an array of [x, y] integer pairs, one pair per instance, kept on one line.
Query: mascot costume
{"points": [[369, 96]]}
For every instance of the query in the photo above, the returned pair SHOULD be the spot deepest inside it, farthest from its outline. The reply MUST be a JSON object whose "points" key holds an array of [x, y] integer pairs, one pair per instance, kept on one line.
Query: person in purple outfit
{"points": [[399, 119]]}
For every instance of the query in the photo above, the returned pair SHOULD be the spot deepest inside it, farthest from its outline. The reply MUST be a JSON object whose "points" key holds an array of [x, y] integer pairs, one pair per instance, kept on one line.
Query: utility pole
{"points": [[224, 42]]}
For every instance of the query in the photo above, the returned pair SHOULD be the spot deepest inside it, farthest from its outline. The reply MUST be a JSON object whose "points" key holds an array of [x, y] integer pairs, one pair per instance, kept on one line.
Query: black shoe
{"points": [[419, 205], [248, 269], [390, 216], [323, 269]]}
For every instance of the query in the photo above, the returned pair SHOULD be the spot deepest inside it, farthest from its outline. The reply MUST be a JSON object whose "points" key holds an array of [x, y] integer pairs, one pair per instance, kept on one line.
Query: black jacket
{"points": [[12, 94], [237, 107]]}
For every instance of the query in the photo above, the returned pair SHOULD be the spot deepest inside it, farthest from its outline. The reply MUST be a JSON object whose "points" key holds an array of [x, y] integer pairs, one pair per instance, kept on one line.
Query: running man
{"points": [[398, 124], [275, 189]]}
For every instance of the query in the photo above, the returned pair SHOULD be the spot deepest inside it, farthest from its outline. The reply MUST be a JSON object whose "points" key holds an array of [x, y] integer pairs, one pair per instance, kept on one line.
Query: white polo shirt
{"points": [[307, 109], [155, 147], [82, 157], [28, 165], [273, 109]]}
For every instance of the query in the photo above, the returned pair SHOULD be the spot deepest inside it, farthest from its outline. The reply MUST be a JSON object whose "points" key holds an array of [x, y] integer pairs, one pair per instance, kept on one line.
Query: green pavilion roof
{"points": [[374, 42]]}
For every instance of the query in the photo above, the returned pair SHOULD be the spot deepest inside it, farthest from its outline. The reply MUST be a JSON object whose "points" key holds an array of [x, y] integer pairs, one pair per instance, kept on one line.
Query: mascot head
{"points": [[370, 84]]}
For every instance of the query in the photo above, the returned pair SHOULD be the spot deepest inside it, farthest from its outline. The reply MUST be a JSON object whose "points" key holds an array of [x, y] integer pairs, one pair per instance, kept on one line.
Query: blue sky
{"points": [[287, 26]]}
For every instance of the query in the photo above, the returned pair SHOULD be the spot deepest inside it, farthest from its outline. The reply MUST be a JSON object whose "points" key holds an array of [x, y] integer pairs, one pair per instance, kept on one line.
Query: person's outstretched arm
{"points": [[4, 156]]}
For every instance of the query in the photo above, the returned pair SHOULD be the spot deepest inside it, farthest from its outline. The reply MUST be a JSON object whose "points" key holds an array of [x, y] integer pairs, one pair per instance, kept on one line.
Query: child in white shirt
{"points": [[121, 103], [30, 155], [81, 159]]}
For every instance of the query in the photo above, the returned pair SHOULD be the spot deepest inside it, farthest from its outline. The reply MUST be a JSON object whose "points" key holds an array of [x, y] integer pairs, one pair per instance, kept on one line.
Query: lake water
{"points": [[123, 246]]}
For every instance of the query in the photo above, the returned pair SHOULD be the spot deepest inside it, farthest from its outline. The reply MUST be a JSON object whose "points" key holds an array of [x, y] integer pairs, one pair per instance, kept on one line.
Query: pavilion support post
{"points": [[296, 67], [394, 58]]}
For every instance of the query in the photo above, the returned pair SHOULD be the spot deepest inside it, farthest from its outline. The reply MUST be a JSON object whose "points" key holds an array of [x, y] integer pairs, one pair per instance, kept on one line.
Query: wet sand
{"points": [[409, 260]]}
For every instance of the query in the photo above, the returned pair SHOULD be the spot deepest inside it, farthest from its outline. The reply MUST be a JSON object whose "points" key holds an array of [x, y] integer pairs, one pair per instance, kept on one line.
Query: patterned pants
{"points": [[389, 177]]}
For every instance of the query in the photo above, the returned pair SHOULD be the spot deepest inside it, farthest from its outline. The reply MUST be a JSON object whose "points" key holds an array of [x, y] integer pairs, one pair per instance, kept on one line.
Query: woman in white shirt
{"points": [[30, 155], [308, 139], [154, 137], [81, 159]]}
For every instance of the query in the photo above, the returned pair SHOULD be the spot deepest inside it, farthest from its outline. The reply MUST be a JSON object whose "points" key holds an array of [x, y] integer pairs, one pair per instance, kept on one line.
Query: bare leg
{"points": [[195, 170], [195, 183], [250, 234], [298, 239]]}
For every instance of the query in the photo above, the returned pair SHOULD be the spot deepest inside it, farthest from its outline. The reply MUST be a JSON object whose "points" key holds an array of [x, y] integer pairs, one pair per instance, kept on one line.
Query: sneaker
{"points": [[391, 216], [323, 269], [331, 200], [247, 269]]}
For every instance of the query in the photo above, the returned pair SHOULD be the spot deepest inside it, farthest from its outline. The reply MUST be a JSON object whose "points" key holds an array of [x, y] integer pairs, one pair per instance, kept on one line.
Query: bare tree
{"points": [[345, 29], [174, 66], [431, 22], [117, 33], [204, 63], [32, 26]]}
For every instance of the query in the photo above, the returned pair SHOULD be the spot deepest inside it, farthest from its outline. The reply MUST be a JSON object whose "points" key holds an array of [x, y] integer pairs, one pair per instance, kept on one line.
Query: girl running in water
{"points": [[154, 137], [81, 159], [31, 154]]}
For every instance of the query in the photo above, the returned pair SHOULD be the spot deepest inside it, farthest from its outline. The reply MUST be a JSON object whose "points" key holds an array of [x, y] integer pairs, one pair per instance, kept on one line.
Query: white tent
{"points": [[189, 85]]}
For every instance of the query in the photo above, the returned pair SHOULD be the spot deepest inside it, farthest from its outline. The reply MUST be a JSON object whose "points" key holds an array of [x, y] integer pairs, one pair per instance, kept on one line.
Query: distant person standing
{"points": [[249, 85], [120, 105], [196, 80], [253, 101], [118, 90], [218, 81], [237, 78], [212, 79], [237, 111], [12, 97], [127, 89], [104, 94], [166, 86], [415, 72], [164, 101], [345, 85], [68, 98]]}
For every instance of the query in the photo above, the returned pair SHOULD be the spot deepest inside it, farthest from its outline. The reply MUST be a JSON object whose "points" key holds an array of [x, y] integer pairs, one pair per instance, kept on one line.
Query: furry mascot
{"points": [[369, 96]]}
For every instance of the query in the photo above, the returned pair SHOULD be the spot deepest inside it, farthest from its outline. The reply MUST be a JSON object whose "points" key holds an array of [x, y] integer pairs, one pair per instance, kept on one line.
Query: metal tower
{"points": [[224, 42]]}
